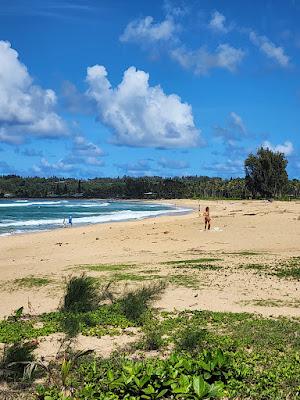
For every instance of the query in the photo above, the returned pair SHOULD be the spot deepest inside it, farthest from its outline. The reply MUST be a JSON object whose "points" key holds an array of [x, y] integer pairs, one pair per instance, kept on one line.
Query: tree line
{"points": [[265, 177], [134, 188]]}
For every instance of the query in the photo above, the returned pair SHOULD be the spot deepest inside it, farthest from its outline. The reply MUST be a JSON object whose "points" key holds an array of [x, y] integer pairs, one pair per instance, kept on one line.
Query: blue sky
{"points": [[111, 88]]}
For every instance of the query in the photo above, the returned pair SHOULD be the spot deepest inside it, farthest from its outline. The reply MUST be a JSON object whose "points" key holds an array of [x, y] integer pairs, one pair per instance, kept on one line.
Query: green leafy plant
{"points": [[176, 377], [69, 363]]}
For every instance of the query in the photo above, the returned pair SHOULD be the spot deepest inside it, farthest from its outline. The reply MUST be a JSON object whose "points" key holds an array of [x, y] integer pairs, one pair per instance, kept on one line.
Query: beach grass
{"points": [[31, 281], [246, 253], [149, 271], [105, 267], [123, 276], [200, 267], [273, 303], [289, 269], [192, 261], [189, 281], [257, 267]]}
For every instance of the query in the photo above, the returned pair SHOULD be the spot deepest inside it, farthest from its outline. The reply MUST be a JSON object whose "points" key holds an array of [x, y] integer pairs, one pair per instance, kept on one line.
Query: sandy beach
{"points": [[243, 234]]}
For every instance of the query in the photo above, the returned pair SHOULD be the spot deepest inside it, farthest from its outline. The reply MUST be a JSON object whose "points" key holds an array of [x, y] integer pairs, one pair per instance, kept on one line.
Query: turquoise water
{"points": [[19, 216]]}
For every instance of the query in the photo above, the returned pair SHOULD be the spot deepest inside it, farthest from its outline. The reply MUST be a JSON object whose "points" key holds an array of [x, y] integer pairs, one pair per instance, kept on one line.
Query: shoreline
{"points": [[181, 211]]}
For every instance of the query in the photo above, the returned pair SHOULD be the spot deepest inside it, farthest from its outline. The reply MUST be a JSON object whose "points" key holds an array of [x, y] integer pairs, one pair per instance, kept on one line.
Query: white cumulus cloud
{"points": [[146, 30], [218, 23], [286, 148], [202, 61], [272, 51], [25, 108], [139, 114]]}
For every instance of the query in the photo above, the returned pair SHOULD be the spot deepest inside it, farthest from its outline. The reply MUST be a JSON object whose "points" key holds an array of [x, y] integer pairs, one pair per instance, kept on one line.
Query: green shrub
{"points": [[81, 295], [136, 303]]}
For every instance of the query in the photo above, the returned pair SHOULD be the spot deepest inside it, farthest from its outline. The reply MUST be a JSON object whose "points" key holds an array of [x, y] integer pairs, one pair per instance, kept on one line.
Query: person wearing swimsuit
{"points": [[206, 219]]}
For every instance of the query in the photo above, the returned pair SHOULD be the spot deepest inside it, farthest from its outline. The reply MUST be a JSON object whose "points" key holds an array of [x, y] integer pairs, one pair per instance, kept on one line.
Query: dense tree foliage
{"points": [[266, 174], [132, 188]]}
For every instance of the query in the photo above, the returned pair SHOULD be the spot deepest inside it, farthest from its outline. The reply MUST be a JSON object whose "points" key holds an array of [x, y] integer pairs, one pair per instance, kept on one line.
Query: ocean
{"points": [[21, 216]]}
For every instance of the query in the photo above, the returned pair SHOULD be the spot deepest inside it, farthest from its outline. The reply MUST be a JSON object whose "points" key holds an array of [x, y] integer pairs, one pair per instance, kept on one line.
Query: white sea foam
{"points": [[111, 217], [33, 203], [32, 222], [18, 231], [90, 205], [14, 205]]}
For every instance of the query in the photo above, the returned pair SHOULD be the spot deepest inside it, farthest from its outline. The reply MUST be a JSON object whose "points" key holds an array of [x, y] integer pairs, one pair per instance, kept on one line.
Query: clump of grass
{"points": [[246, 253], [71, 324], [190, 339], [81, 295], [149, 271], [201, 267], [105, 267], [31, 281], [133, 277], [193, 261], [184, 280], [258, 267], [293, 273], [273, 303], [135, 304], [290, 269]]}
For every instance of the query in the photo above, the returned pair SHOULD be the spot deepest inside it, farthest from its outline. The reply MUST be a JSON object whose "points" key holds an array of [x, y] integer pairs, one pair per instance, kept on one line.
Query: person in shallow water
{"points": [[207, 219], [70, 220]]}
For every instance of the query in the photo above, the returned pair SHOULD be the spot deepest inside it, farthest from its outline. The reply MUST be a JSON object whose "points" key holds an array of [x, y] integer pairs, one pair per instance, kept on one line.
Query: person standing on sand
{"points": [[206, 219], [70, 220]]}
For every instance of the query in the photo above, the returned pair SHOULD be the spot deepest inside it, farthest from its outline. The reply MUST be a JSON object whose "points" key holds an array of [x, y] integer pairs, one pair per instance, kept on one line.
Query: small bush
{"points": [[190, 339], [81, 295], [135, 304]]}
